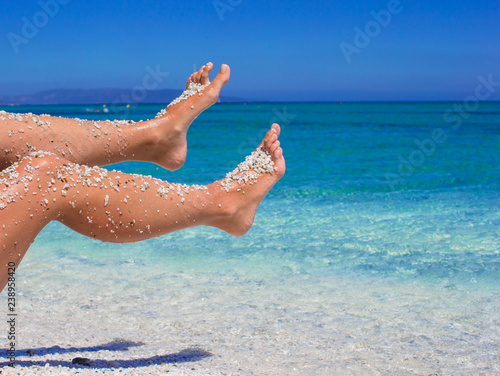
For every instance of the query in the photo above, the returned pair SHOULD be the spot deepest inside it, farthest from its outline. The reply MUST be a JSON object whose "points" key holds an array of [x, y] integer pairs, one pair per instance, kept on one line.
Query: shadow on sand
{"points": [[184, 356]]}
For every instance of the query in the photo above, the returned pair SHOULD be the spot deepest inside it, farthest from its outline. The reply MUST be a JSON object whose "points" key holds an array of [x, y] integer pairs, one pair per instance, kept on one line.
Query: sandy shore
{"points": [[296, 326]]}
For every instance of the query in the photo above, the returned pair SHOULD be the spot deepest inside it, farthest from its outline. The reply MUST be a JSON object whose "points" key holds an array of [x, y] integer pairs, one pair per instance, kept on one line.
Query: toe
{"points": [[277, 128], [204, 75], [274, 147], [266, 142], [222, 77], [278, 153], [190, 79], [197, 75], [271, 141]]}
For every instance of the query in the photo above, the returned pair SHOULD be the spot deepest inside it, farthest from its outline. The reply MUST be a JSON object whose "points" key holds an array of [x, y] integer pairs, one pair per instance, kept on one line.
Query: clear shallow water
{"points": [[380, 244]]}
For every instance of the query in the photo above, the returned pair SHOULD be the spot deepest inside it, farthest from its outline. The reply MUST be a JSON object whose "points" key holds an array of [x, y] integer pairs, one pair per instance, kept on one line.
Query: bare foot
{"points": [[169, 146], [239, 196]]}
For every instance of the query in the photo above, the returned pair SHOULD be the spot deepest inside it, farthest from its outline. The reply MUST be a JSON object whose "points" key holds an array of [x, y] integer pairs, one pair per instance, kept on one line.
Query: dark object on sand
{"points": [[82, 361]]}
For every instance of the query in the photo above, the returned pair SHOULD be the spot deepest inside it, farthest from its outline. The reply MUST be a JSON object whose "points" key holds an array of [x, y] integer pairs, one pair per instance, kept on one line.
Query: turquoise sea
{"points": [[377, 253]]}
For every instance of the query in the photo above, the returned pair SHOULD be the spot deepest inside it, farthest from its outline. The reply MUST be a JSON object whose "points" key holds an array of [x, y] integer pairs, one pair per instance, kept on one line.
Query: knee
{"points": [[45, 163], [29, 175]]}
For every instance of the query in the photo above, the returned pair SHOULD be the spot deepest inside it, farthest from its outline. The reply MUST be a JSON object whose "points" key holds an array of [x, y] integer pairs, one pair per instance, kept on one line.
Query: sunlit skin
{"points": [[160, 140], [113, 206]]}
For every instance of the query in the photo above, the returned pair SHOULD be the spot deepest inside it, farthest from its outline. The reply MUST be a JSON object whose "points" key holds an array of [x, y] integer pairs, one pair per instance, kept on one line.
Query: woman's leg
{"points": [[161, 140], [118, 207]]}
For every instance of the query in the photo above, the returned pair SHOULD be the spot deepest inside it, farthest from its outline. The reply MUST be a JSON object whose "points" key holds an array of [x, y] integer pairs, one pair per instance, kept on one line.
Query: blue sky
{"points": [[277, 50]]}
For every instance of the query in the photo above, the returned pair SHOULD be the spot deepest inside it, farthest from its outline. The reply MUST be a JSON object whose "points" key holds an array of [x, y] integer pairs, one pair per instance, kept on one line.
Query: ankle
{"points": [[163, 144], [223, 202]]}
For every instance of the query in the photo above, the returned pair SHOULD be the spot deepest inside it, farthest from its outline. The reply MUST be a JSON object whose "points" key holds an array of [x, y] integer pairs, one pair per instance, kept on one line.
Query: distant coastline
{"points": [[98, 96], [114, 96]]}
